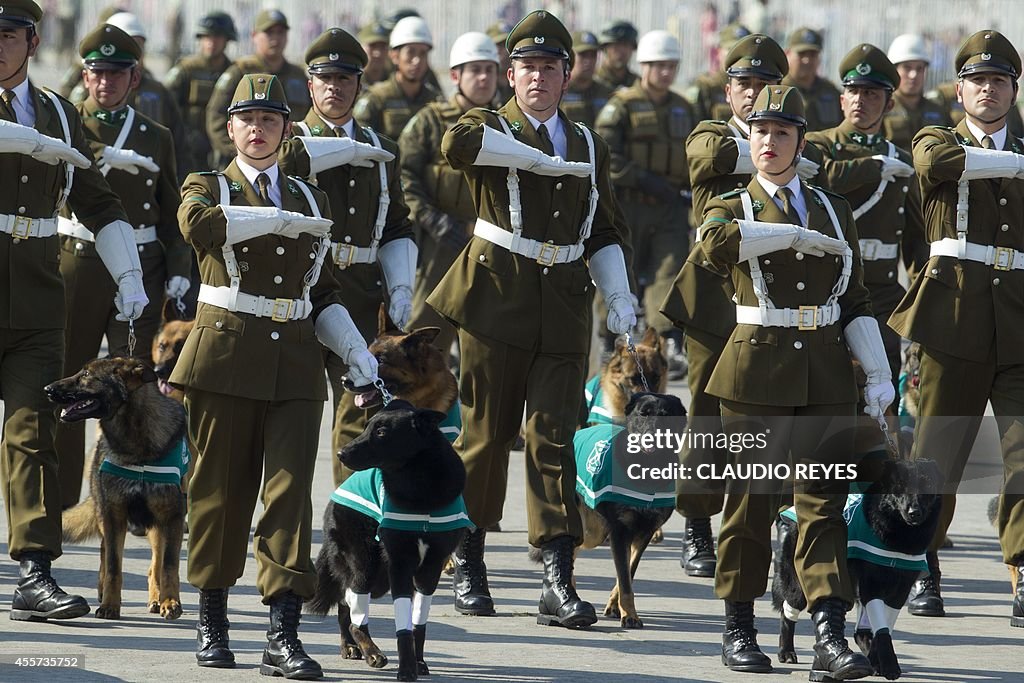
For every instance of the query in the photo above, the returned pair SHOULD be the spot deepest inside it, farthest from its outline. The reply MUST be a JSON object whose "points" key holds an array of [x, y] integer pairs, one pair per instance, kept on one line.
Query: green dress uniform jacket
{"points": [[821, 101], [191, 82], [508, 297], [385, 108], [902, 122], [293, 78], [583, 104]]}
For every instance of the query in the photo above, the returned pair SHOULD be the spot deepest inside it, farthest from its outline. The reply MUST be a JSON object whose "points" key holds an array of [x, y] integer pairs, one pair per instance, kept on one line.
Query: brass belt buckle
{"points": [[803, 310], [349, 251], [22, 227], [1003, 259], [546, 248], [275, 313]]}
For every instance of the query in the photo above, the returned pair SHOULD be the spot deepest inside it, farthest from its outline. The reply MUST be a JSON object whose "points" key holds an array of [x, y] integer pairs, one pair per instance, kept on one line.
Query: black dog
{"points": [[405, 461], [902, 509]]}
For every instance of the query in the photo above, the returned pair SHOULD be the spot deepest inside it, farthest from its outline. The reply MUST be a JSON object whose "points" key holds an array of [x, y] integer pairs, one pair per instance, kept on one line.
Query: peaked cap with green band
{"points": [[988, 50], [336, 51], [20, 14], [107, 45], [259, 92], [866, 65], [540, 33], [781, 103], [756, 55]]}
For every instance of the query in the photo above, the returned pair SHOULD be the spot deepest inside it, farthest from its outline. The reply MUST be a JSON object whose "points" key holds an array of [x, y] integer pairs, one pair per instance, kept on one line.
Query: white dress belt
{"points": [[344, 255], [66, 226], [802, 318], [20, 227], [278, 310], [544, 253], [877, 250], [1000, 258]]}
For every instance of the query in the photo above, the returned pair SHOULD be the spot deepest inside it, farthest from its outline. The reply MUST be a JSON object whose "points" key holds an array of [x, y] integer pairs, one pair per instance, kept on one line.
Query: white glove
{"points": [[397, 260], [18, 139], [498, 149], [982, 163], [247, 222], [177, 286], [744, 164], [126, 160], [757, 239], [115, 243], [893, 168], [325, 153], [335, 330], [806, 169], [865, 342], [608, 271]]}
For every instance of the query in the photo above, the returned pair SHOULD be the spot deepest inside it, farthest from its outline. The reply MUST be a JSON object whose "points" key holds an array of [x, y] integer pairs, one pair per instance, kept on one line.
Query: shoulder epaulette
{"points": [[209, 173], [732, 193]]}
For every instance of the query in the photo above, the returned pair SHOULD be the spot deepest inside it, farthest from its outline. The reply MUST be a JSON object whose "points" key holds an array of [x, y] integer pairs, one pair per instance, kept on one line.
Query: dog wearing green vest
{"points": [[888, 531], [137, 468]]}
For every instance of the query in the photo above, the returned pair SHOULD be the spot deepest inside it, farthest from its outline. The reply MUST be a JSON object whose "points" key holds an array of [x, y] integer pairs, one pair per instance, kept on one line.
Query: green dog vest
{"points": [[596, 412], [597, 480], [170, 469]]}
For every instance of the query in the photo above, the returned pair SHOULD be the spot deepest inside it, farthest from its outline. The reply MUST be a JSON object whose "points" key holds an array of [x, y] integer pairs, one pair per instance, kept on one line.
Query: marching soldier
{"points": [[707, 93], [700, 301], [911, 110], [270, 38], [946, 95], [191, 82], [374, 39], [646, 126], [802, 313], [965, 308], [498, 31], [46, 161], [586, 96], [618, 43], [137, 156], [803, 51], [372, 249], [388, 106], [253, 375], [875, 177], [438, 196], [521, 296]]}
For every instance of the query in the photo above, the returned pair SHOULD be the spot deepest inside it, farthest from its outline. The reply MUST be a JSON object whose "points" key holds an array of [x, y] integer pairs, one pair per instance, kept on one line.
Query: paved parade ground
{"points": [[681, 639]]}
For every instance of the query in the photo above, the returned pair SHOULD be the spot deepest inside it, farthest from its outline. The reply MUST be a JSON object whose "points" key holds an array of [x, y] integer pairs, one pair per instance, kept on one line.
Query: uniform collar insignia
{"points": [[517, 126], [757, 205], [317, 129], [859, 137], [293, 189], [1014, 146], [817, 200], [236, 186], [111, 117]]}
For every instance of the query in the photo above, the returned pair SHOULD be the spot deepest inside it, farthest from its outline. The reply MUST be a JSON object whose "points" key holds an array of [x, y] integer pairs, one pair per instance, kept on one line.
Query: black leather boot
{"points": [[739, 640], [472, 594], [698, 548], [37, 597], [212, 648], [833, 658], [559, 603], [1017, 617], [926, 595], [284, 655]]}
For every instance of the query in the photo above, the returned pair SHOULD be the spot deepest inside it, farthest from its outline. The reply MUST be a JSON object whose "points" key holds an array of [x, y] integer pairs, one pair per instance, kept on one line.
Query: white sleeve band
{"points": [[990, 163], [744, 164], [115, 244], [397, 260]]}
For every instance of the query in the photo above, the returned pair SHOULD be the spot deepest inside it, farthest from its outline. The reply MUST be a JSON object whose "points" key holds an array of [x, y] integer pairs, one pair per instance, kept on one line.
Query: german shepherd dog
{"points": [[620, 377], [139, 427], [902, 508], [420, 473], [167, 344]]}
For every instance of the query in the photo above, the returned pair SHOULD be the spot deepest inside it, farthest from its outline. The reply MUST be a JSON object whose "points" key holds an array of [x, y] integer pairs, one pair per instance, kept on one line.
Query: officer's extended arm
{"points": [[18, 139], [990, 163], [865, 342], [325, 153], [757, 239], [247, 222], [335, 330], [398, 261], [115, 243], [498, 149], [608, 270]]}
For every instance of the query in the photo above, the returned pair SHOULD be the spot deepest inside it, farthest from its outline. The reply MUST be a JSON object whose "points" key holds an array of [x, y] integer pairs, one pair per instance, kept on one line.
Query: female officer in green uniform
{"points": [[802, 312]]}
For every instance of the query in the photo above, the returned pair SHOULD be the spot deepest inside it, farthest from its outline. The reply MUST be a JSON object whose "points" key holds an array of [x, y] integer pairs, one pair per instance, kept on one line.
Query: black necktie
{"points": [[545, 140], [785, 194], [7, 106], [988, 143], [263, 189], [340, 132]]}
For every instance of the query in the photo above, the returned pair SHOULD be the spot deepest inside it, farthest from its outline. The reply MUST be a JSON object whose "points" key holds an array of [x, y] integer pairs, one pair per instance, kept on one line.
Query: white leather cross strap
{"points": [[344, 255], [72, 228], [544, 253], [122, 137], [21, 227], [802, 318], [877, 250], [876, 196], [1000, 258], [278, 310]]}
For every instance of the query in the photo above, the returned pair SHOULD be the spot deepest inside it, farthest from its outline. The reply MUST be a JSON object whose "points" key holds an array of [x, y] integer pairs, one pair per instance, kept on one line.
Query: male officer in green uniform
{"points": [[911, 110], [191, 82], [388, 106], [374, 39], [700, 301], [521, 296], [46, 161], [803, 51], [946, 95], [586, 95], [965, 308], [802, 314], [137, 156], [270, 38], [618, 43], [253, 375], [707, 92], [646, 126], [438, 196], [371, 241], [876, 178]]}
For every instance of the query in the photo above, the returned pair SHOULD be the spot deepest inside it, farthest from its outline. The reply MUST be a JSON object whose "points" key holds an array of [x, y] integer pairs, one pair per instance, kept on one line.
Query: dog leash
{"points": [[131, 337], [889, 441], [636, 359], [179, 304], [385, 395]]}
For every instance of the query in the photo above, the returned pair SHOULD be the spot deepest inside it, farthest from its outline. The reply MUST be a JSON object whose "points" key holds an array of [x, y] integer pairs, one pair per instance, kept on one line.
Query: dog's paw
{"points": [[351, 652], [883, 657], [108, 612], [611, 609], [154, 607], [787, 657], [170, 609], [449, 567], [377, 660], [408, 674], [657, 537], [633, 621], [863, 638], [422, 669]]}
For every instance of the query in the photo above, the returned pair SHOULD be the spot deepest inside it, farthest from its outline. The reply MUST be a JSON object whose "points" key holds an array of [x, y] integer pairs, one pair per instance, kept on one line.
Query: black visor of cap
{"points": [[539, 50], [781, 116]]}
